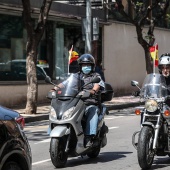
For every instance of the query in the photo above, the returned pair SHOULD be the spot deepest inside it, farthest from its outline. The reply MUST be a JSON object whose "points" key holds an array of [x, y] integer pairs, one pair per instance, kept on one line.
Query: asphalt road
{"points": [[118, 154]]}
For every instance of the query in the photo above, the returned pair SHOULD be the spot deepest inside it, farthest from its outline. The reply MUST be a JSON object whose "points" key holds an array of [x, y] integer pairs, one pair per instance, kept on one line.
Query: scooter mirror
{"points": [[96, 80], [47, 79]]}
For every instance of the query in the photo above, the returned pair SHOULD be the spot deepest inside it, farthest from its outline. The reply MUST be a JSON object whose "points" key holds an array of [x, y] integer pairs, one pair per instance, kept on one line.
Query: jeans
{"points": [[91, 114]]}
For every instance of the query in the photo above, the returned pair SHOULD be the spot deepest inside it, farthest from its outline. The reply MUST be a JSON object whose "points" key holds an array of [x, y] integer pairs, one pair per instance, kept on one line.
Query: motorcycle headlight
{"points": [[53, 114], [151, 105], [69, 113]]}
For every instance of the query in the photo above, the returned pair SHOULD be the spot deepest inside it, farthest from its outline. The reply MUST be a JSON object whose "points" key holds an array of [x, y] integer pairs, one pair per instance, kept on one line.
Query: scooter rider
{"points": [[86, 73]]}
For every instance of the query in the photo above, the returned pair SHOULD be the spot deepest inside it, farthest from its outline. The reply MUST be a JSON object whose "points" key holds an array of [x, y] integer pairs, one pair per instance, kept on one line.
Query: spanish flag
{"points": [[154, 54], [73, 55]]}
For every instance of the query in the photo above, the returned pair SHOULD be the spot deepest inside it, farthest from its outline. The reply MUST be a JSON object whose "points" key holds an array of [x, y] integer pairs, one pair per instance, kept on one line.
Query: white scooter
{"points": [[67, 122]]}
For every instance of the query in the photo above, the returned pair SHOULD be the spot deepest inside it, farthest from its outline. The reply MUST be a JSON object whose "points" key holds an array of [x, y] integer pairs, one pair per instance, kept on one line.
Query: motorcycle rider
{"points": [[86, 73], [164, 69]]}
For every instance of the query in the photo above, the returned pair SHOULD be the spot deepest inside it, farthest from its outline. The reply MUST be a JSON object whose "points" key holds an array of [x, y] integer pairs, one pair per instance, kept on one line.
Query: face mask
{"points": [[86, 69]]}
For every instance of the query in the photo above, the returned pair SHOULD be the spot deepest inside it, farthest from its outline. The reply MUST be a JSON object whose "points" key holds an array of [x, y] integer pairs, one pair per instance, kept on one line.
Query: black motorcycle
{"points": [[67, 122], [154, 135]]}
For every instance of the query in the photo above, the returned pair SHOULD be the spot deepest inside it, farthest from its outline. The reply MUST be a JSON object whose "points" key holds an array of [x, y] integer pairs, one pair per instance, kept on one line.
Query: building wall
{"points": [[13, 95], [124, 58]]}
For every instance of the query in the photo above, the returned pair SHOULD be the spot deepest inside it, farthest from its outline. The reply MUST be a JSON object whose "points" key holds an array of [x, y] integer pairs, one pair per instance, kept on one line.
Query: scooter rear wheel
{"points": [[57, 152]]}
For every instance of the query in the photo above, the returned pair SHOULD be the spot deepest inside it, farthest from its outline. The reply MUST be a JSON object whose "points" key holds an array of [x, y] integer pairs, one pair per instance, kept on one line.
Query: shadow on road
{"points": [[102, 158], [37, 136]]}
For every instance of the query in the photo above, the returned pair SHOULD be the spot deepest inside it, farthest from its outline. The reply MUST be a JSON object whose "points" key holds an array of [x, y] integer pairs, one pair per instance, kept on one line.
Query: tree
{"points": [[34, 35], [141, 16]]}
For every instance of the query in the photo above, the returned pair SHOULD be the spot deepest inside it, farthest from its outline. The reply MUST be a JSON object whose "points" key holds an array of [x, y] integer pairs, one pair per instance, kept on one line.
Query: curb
{"points": [[36, 118], [123, 106], [45, 116]]}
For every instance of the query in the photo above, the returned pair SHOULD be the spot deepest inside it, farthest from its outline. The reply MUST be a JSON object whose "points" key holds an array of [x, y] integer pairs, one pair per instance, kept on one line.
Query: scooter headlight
{"points": [[151, 105], [69, 113], [53, 114]]}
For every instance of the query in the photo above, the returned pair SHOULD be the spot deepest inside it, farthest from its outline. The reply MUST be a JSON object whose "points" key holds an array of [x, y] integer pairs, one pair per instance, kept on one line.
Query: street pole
{"points": [[88, 27]]}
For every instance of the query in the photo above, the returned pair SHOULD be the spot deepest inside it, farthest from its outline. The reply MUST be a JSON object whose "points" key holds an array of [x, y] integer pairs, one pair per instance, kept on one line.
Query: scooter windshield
{"points": [[71, 85], [154, 86]]}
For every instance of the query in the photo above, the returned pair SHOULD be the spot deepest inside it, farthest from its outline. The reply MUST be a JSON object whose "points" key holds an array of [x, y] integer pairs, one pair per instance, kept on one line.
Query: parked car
{"points": [[15, 70], [15, 151]]}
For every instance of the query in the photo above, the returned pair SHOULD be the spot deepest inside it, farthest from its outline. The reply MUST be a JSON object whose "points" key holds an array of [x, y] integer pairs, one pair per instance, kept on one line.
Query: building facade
{"points": [[63, 31], [117, 47]]}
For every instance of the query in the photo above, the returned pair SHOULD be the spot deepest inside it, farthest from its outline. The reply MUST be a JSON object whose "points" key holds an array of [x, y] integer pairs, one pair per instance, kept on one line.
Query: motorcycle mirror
{"points": [[134, 83]]}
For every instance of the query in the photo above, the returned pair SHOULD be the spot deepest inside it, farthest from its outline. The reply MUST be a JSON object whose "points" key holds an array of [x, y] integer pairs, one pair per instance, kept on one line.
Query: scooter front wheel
{"points": [[57, 152]]}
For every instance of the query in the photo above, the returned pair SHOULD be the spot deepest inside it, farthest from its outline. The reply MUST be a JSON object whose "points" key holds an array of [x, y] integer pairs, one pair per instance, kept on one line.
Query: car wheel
{"points": [[11, 166]]}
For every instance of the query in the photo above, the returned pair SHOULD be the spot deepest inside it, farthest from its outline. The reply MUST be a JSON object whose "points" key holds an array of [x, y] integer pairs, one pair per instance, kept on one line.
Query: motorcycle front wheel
{"points": [[144, 149], [57, 152]]}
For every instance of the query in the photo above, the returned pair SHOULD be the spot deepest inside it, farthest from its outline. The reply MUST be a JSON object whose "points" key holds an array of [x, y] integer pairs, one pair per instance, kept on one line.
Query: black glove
{"points": [[136, 93], [85, 94]]}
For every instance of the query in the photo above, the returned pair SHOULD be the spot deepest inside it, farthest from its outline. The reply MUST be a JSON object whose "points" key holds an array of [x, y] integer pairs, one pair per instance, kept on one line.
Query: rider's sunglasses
{"points": [[164, 67]]}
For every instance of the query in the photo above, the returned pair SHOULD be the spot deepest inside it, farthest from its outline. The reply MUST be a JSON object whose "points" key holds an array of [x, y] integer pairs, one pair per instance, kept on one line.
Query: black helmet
{"points": [[86, 58]]}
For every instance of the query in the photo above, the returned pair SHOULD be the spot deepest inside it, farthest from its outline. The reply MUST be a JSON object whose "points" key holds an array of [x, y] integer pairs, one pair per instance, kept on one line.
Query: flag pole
{"points": [[155, 57], [154, 60], [70, 51]]}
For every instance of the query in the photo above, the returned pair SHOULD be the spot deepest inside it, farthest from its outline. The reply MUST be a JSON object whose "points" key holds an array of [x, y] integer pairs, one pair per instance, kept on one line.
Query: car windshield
{"points": [[154, 86], [71, 85]]}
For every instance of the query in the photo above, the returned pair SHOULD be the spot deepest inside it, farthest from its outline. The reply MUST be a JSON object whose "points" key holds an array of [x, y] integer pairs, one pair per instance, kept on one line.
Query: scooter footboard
{"points": [[59, 131]]}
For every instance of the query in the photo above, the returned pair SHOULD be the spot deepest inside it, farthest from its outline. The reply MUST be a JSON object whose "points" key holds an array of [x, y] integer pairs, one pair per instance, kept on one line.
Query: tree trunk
{"points": [[148, 60], [34, 37], [32, 91], [143, 17]]}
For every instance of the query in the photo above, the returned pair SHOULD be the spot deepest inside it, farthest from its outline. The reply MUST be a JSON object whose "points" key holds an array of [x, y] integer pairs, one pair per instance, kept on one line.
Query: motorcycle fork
{"points": [[156, 129]]}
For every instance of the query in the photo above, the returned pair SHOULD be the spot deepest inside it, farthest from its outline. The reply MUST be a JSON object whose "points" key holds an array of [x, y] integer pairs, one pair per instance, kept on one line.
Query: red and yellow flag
{"points": [[154, 53], [73, 55]]}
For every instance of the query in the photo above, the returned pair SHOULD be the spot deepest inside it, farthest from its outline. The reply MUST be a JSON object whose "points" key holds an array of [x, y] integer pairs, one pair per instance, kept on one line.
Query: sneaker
{"points": [[87, 142]]}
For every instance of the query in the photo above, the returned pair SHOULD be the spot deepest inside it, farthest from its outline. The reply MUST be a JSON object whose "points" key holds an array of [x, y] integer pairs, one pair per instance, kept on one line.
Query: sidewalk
{"points": [[116, 103]]}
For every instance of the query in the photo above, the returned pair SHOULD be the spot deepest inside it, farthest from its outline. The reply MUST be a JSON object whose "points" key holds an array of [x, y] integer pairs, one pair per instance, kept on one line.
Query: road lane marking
{"points": [[48, 140], [43, 141], [109, 117], [113, 127], [39, 162]]}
